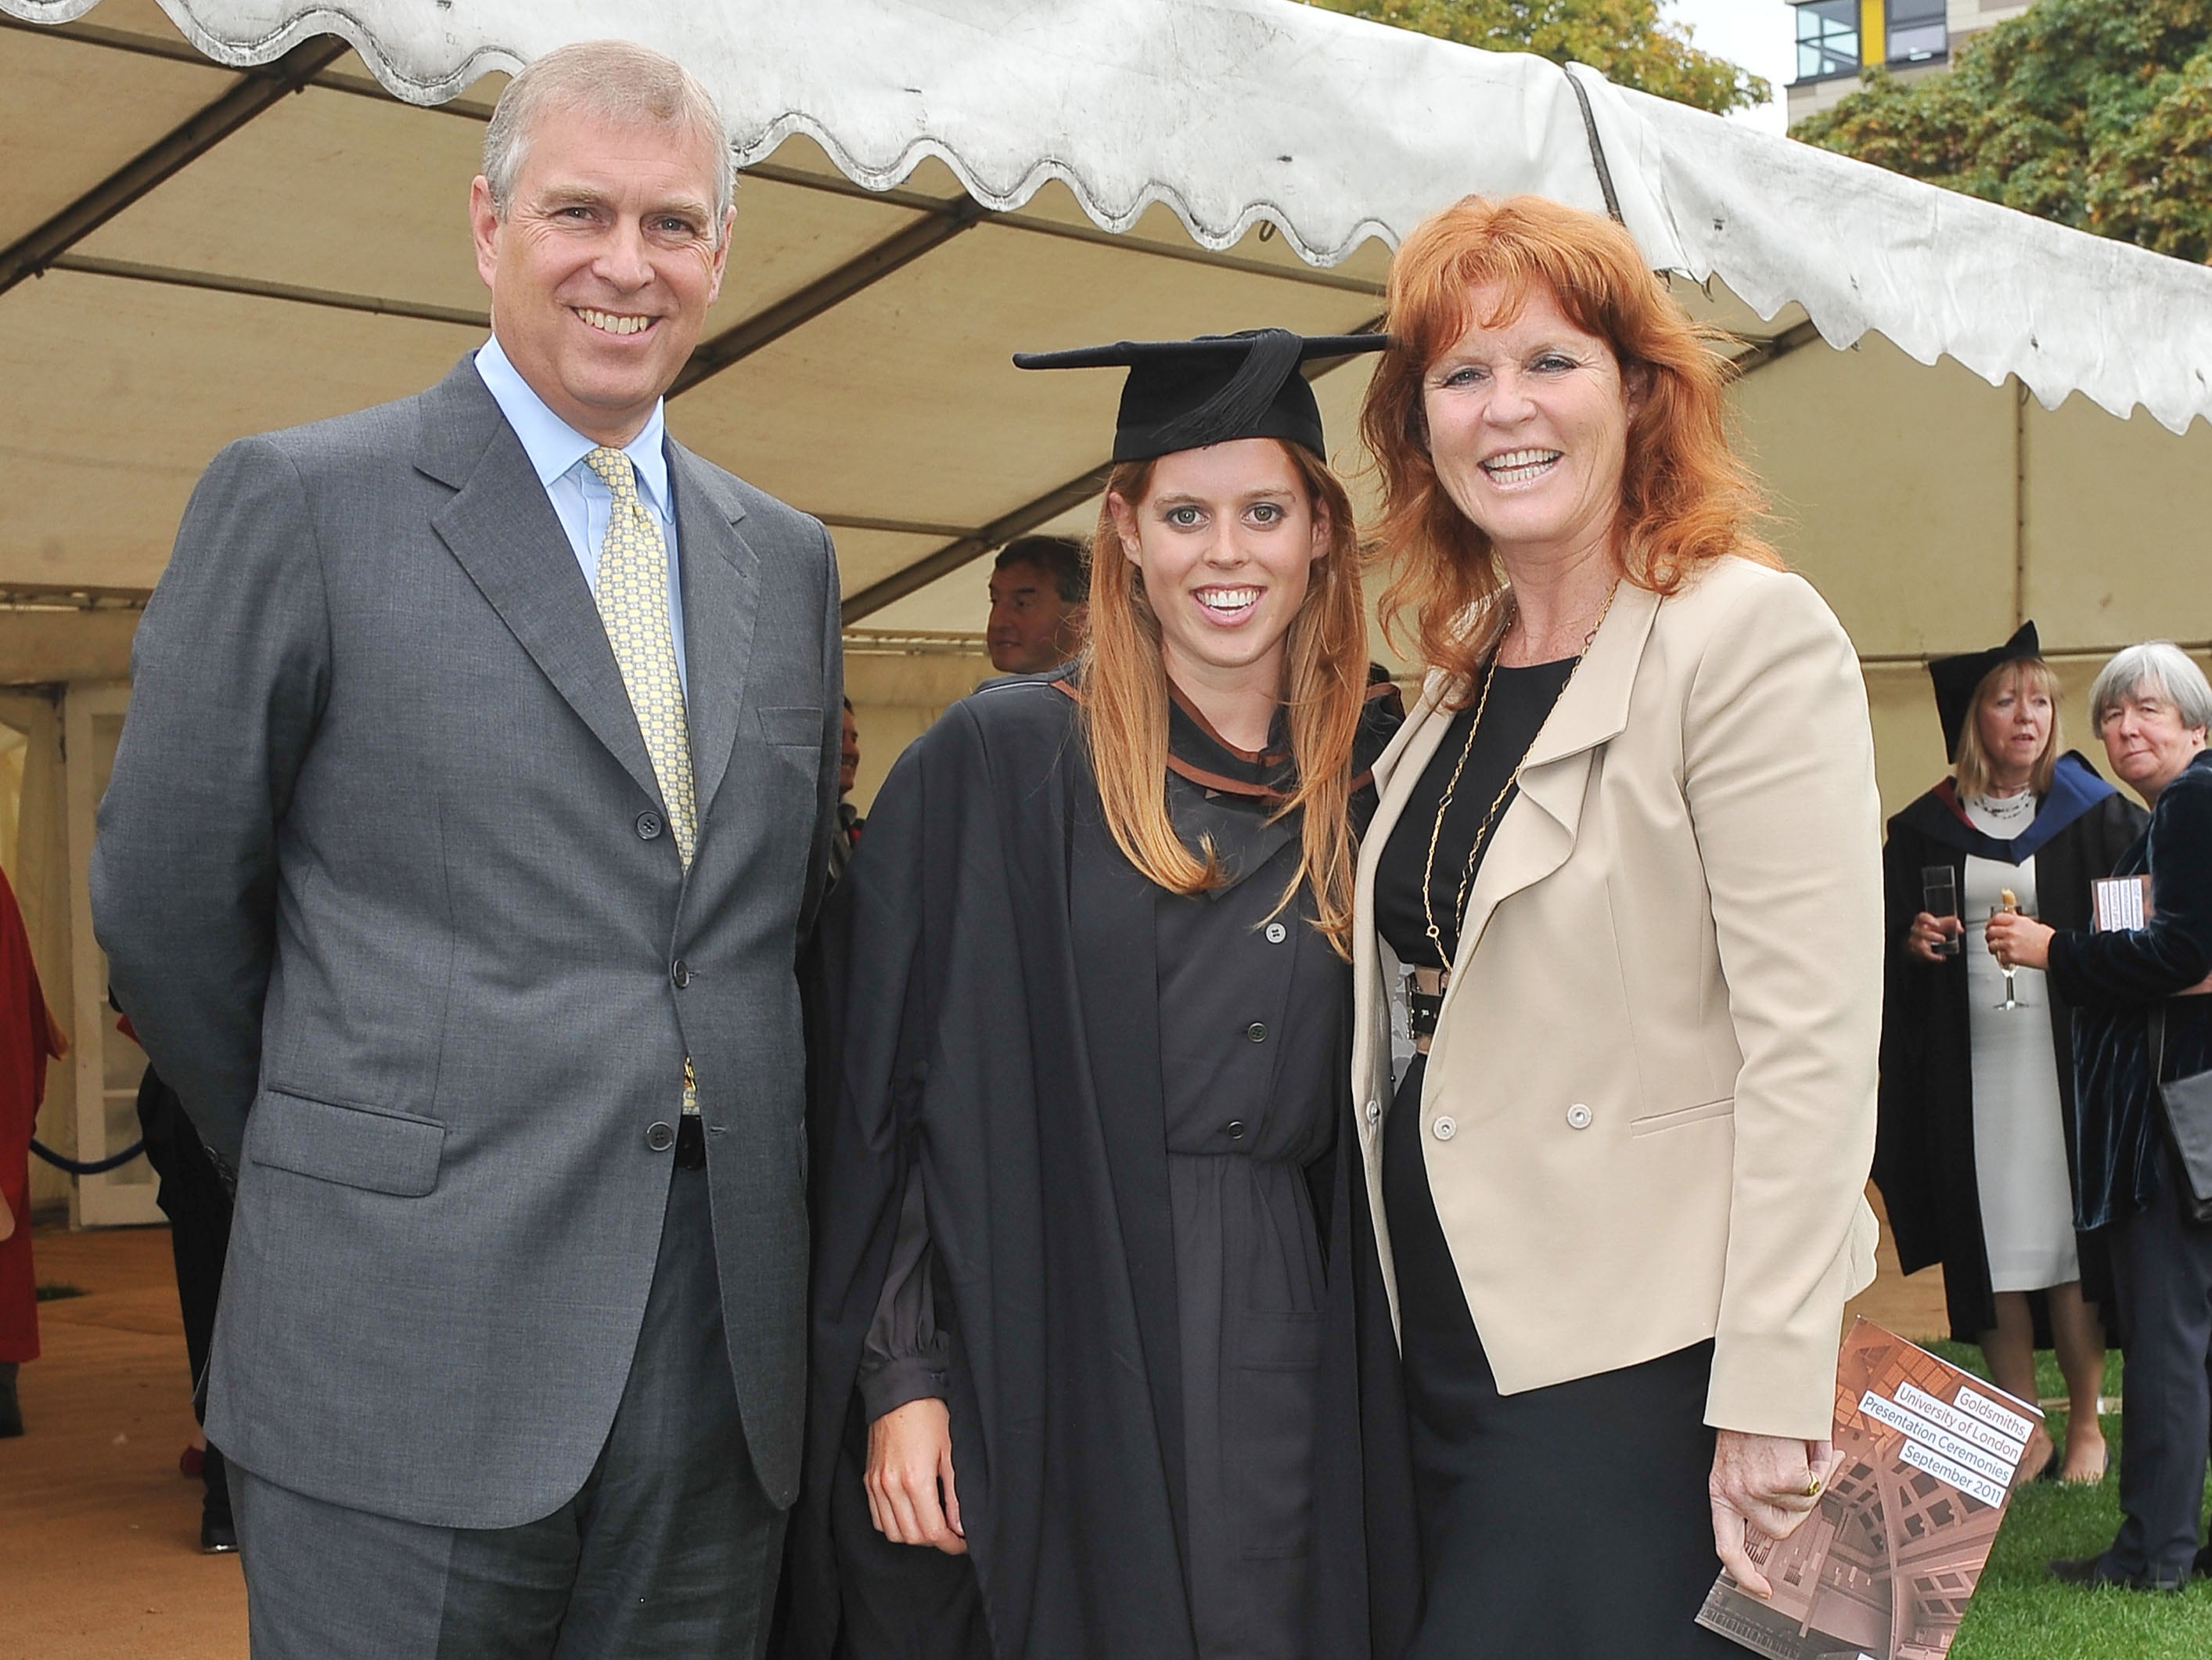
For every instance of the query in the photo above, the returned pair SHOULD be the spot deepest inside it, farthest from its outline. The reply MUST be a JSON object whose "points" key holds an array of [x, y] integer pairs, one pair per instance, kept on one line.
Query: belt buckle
{"points": [[1423, 1007]]}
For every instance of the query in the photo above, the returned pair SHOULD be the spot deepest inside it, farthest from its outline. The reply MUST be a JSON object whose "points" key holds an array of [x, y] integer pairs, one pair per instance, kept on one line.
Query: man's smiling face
{"points": [[604, 264]]}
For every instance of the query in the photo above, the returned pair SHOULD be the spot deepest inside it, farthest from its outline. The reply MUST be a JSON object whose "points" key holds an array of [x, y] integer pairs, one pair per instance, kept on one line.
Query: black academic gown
{"points": [[1034, 1032], [1924, 1146]]}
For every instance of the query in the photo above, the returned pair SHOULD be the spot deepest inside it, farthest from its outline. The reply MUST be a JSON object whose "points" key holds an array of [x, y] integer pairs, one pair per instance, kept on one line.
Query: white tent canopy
{"points": [[225, 216]]}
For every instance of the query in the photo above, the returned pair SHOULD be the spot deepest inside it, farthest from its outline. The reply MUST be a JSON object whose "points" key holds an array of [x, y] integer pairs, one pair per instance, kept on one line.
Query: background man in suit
{"points": [[1039, 601], [471, 810]]}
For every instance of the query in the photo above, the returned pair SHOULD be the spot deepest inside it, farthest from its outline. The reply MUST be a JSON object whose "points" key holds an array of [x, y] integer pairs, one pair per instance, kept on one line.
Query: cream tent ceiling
{"points": [[218, 216]]}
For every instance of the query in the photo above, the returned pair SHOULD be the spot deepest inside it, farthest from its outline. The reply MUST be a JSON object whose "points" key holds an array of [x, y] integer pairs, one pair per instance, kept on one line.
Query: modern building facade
{"points": [[1837, 40]]}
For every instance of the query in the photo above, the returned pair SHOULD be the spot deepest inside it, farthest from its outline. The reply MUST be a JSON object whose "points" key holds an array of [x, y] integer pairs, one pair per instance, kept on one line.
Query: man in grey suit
{"points": [[471, 812]]}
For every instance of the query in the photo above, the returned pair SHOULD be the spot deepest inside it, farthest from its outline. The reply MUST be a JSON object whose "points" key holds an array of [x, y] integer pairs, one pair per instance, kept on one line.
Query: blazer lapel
{"points": [[503, 531], [1538, 829], [720, 574]]}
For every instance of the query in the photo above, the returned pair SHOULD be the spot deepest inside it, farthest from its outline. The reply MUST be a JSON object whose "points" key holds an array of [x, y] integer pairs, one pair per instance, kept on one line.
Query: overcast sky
{"points": [[1756, 33]]}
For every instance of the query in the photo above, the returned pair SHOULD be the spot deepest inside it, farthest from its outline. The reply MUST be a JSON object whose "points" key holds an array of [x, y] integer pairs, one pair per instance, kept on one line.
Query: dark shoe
{"points": [[218, 1534], [2203, 1570], [2090, 1572], [11, 1411]]}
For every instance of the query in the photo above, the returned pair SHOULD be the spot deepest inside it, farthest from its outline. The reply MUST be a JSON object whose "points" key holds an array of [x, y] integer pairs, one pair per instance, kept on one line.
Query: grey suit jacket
{"points": [[385, 884]]}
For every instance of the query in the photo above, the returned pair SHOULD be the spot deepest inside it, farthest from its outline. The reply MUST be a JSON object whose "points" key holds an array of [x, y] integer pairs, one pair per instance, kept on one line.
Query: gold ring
{"points": [[1813, 1490]]}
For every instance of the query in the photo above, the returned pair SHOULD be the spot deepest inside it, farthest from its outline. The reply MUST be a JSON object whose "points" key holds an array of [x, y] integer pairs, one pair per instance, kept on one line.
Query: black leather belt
{"points": [[1425, 1002]]}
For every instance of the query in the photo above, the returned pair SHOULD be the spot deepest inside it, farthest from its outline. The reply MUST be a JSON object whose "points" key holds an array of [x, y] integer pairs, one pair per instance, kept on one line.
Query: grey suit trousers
{"points": [[671, 1549]]}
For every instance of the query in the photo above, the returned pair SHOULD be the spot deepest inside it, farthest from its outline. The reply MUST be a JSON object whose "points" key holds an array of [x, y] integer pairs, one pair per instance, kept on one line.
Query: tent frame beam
{"points": [[826, 293], [254, 93]]}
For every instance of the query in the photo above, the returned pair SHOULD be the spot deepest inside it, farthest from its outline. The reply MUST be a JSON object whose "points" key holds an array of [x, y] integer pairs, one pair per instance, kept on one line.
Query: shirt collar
{"points": [[553, 446]]}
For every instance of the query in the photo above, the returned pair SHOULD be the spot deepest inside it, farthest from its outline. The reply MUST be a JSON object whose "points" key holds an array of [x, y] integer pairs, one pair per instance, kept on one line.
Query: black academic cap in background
{"points": [[1956, 678], [1186, 394]]}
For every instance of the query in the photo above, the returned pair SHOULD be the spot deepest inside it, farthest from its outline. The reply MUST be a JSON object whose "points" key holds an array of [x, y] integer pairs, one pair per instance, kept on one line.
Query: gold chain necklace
{"points": [[1490, 818]]}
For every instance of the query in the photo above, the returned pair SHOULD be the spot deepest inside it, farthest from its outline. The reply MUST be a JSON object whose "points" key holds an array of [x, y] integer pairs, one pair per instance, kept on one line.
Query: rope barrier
{"points": [[88, 1166]]}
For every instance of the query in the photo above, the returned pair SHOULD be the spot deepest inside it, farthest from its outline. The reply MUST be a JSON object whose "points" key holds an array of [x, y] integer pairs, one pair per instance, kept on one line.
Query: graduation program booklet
{"points": [[1884, 1568]]}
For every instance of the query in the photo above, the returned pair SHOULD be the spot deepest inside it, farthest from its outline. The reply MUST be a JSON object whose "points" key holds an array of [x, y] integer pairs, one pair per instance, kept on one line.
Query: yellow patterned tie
{"points": [[633, 596]]}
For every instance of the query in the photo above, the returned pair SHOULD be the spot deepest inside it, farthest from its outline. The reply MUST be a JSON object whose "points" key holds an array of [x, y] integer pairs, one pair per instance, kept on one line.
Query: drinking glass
{"points": [[1939, 898], [2012, 1000]]}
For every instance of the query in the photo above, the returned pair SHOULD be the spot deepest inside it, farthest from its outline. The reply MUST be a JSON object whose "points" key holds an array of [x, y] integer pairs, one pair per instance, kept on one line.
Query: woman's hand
{"points": [[2020, 942], [1769, 1482], [910, 1453], [1926, 932]]}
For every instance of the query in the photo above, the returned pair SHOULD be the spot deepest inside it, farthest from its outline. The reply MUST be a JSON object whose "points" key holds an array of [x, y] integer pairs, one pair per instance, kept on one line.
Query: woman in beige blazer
{"points": [[1628, 857]]}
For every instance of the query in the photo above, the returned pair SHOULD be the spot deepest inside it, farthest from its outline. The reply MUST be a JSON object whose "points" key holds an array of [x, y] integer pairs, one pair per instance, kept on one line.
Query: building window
{"points": [[1828, 38], [1916, 33]]}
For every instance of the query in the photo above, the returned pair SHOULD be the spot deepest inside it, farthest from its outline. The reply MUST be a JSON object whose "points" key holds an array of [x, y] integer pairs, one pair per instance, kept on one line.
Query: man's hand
{"points": [[909, 1454], [1765, 1482]]}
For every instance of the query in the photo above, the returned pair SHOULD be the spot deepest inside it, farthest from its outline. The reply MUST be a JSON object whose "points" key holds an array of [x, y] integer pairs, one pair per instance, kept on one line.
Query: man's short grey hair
{"points": [[2159, 666], [617, 82]]}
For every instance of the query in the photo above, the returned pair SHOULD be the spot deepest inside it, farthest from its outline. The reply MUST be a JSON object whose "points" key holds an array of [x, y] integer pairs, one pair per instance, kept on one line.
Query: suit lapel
{"points": [[503, 531], [1538, 829], [720, 574]]}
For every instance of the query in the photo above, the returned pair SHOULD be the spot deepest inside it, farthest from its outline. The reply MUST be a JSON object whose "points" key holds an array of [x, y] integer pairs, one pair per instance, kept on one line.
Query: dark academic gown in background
{"points": [[1924, 1147], [1176, 1419]]}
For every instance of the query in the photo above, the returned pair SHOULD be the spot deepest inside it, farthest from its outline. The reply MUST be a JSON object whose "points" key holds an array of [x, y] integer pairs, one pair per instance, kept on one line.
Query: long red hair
{"points": [[1686, 499], [1124, 682]]}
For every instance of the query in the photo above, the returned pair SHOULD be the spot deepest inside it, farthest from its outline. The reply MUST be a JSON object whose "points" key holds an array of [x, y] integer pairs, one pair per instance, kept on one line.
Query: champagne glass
{"points": [[1939, 898], [2008, 901]]}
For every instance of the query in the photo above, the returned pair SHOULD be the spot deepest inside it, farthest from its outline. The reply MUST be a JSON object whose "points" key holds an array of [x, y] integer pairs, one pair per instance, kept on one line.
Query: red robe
{"points": [[28, 1036]]}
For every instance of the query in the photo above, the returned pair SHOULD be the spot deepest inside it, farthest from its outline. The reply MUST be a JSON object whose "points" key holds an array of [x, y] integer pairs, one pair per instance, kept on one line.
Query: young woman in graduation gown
{"points": [[1975, 1148], [1084, 1244]]}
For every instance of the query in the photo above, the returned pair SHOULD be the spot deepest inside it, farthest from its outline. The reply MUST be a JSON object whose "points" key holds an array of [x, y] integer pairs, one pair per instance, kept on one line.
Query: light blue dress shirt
{"points": [[580, 498]]}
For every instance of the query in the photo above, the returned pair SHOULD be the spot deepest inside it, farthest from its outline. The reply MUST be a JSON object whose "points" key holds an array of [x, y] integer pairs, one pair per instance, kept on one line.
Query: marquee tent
{"points": [[222, 216]]}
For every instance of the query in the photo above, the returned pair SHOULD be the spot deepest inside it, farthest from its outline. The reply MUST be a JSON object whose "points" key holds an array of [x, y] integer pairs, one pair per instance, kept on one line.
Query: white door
{"points": [[108, 1064]]}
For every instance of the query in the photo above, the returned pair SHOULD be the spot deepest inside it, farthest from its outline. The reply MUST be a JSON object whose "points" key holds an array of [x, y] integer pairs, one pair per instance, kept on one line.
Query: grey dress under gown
{"points": [[1254, 1008]]}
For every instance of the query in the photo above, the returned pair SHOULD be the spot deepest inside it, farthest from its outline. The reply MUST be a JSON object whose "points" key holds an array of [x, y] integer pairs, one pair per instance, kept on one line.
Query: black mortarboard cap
{"points": [[1186, 394], [1956, 678]]}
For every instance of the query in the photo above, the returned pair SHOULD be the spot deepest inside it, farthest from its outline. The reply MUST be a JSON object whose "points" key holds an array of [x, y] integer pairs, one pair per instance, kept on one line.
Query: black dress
{"points": [[1569, 1522], [1245, 1010]]}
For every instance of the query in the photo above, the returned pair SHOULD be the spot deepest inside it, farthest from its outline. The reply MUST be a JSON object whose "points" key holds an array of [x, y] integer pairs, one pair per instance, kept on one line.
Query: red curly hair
{"points": [[1686, 499]]}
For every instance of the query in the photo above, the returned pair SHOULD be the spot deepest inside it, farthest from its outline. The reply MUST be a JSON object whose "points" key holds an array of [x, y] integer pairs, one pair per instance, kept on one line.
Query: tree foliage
{"points": [[2097, 113], [1625, 40]]}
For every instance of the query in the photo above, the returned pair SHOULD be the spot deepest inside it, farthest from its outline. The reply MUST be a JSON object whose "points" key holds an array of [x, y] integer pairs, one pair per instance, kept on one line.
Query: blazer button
{"points": [[680, 972], [1579, 1116], [1277, 934], [659, 1137], [648, 826], [1234, 1129], [1445, 1128], [1373, 1112], [1256, 1032]]}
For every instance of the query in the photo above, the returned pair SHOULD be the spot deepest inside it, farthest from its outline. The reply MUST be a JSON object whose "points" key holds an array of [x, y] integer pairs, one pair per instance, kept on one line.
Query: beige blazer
{"points": [[1650, 1105]]}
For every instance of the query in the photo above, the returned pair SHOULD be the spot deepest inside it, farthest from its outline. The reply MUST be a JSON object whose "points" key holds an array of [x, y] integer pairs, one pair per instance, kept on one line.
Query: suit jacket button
{"points": [[1579, 1116], [659, 1137], [1373, 1112], [1256, 1032], [1445, 1128], [1234, 1129], [1277, 934], [680, 972], [648, 826]]}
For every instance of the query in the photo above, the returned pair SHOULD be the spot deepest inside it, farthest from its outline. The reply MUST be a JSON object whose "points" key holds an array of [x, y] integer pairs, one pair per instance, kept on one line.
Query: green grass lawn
{"points": [[2021, 1613]]}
